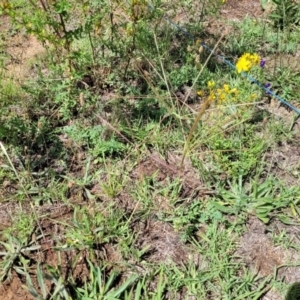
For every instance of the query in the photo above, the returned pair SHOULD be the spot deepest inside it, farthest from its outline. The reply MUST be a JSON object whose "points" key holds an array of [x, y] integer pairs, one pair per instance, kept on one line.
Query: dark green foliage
{"points": [[287, 13], [293, 292]]}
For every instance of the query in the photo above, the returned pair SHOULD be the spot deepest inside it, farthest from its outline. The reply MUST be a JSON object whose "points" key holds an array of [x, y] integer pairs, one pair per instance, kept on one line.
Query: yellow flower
{"points": [[222, 97], [226, 88], [234, 91], [212, 96], [200, 93], [246, 62], [211, 84]]}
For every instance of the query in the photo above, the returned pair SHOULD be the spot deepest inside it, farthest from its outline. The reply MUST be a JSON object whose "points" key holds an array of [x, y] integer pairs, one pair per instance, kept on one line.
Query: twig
{"points": [[114, 129]]}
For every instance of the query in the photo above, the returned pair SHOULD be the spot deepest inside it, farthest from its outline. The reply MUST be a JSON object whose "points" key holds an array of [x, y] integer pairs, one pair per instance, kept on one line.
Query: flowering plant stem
{"points": [[204, 106], [199, 115]]}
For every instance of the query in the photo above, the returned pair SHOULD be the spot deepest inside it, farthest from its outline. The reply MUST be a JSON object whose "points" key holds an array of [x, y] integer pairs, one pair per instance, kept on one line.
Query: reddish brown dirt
{"points": [[239, 9], [13, 290], [162, 243]]}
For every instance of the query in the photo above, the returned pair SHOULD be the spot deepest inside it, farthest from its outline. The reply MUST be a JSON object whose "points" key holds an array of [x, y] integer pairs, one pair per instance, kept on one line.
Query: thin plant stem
{"points": [[198, 117], [203, 107], [10, 162], [163, 70]]}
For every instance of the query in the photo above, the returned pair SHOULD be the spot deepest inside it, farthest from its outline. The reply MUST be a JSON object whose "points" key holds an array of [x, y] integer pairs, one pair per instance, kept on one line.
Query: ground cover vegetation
{"points": [[137, 162]]}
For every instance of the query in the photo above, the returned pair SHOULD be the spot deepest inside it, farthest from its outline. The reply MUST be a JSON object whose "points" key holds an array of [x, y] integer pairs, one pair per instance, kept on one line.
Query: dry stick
{"points": [[199, 115], [114, 129], [181, 101], [202, 109], [43, 5], [148, 80], [46, 9], [159, 97], [171, 93]]}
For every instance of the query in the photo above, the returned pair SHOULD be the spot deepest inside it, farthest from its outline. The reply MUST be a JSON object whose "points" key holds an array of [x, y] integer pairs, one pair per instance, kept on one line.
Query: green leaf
{"points": [[223, 208], [287, 220], [264, 219], [122, 288], [41, 281]]}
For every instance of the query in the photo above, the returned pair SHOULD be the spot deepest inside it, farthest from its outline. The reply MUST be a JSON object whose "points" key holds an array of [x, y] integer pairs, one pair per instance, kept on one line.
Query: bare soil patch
{"points": [[13, 290], [237, 10], [263, 257], [162, 243], [284, 163], [20, 51]]}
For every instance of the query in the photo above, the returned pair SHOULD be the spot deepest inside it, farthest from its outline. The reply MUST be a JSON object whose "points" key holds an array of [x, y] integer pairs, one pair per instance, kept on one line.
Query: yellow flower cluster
{"points": [[223, 94], [226, 93], [247, 61]]}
